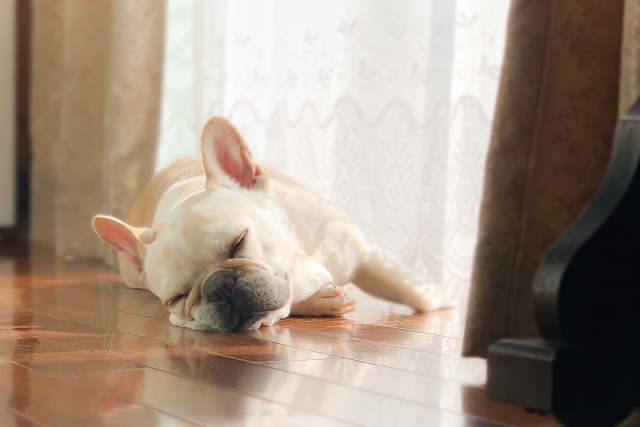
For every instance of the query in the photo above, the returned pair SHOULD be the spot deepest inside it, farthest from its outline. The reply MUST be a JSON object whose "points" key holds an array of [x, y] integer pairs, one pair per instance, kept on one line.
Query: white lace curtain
{"points": [[384, 107]]}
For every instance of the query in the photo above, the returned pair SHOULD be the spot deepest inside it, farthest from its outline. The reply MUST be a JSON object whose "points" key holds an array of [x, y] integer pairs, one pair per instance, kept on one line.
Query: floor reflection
{"points": [[77, 347]]}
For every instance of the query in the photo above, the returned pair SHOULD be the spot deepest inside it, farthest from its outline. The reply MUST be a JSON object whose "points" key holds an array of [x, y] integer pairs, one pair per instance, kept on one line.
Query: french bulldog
{"points": [[231, 244]]}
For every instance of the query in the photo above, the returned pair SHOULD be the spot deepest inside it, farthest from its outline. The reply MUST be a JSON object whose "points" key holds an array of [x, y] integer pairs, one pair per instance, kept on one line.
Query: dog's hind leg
{"points": [[381, 275]]}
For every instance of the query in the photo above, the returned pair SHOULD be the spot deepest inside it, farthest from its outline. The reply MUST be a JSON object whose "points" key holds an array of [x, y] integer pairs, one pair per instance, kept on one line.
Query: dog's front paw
{"points": [[328, 301]]}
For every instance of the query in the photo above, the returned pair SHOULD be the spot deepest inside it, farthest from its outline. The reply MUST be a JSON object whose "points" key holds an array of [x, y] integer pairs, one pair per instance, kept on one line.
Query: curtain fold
{"points": [[96, 88], [630, 73], [552, 134]]}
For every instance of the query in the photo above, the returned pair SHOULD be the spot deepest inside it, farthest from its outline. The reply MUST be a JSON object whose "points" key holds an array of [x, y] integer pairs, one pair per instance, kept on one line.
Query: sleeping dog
{"points": [[231, 244]]}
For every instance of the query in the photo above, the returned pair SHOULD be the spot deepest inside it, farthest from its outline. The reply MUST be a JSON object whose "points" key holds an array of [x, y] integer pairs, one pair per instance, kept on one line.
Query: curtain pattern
{"points": [[383, 107], [96, 87]]}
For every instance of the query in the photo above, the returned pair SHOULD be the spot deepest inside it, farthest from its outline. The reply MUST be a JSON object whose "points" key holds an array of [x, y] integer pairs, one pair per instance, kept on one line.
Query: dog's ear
{"points": [[123, 237], [226, 157]]}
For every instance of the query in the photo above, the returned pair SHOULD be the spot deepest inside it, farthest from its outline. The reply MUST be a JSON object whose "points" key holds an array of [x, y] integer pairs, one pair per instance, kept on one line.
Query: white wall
{"points": [[7, 113]]}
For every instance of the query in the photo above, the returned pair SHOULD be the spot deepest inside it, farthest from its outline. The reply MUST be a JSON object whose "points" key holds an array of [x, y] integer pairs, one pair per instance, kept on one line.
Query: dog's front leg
{"points": [[314, 292], [328, 301]]}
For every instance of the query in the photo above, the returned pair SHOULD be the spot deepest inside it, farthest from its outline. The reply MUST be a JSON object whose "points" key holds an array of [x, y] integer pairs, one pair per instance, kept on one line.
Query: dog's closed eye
{"points": [[238, 244]]}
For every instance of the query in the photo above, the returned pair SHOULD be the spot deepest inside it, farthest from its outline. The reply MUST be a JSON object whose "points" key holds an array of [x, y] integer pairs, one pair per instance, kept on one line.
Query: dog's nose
{"points": [[257, 292], [218, 284]]}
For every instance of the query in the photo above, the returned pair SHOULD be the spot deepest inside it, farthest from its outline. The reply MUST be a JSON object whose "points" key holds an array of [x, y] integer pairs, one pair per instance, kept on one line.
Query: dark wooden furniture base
{"points": [[581, 386], [586, 368]]}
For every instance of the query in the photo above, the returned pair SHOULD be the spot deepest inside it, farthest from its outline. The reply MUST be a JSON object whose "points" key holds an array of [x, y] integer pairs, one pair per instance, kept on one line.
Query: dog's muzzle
{"points": [[251, 292]]}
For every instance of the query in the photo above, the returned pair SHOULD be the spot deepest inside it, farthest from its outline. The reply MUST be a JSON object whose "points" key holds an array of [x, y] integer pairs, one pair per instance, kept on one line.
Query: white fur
{"points": [[293, 235]]}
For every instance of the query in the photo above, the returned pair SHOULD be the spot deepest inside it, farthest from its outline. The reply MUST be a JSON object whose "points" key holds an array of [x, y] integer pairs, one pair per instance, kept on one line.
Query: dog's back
{"points": [[144, 207]]}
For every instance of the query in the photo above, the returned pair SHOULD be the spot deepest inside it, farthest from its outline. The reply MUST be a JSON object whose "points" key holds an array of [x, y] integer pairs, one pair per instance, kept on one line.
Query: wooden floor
{"points": [[78, 348]]}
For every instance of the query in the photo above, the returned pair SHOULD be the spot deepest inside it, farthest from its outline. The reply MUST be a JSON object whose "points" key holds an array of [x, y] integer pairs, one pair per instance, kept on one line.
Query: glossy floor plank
{"points": [[420, 322], [294, 333], [470, 371], [449, 395], [114, 295], [198, 401], [292, 341], [138, 344], [75, 335], [56, 402], [171, 389], [402, 338], [239, 346]]}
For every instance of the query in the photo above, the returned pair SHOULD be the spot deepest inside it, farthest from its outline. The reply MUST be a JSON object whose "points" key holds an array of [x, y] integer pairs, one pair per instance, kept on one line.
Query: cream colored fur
{"points": [[181, 220]]}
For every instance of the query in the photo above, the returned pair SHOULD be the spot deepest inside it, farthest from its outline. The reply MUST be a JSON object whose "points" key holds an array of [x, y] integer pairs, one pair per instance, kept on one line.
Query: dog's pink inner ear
{"points": [[121, 237], [236, 163], [224, 151]]}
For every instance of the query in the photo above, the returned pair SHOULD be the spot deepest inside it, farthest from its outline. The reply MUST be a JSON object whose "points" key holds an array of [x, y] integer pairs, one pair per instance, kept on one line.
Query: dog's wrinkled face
{"points": [[221, 258]]}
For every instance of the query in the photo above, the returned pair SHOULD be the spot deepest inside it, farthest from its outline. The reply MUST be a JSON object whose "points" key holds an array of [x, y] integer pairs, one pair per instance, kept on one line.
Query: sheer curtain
{"points": [[383, 107]]}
